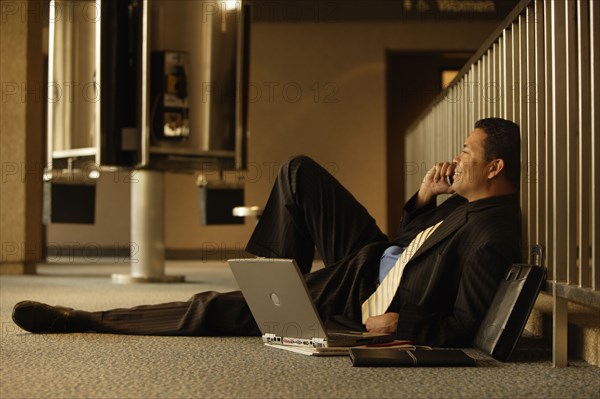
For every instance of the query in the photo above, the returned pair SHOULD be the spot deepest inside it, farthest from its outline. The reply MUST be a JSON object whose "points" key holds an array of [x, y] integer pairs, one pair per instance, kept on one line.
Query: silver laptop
{"points": [[283, 309]]}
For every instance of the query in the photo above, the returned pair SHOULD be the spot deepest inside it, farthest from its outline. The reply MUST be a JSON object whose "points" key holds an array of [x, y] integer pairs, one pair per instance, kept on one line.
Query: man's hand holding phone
{"points": [[438, 180]]}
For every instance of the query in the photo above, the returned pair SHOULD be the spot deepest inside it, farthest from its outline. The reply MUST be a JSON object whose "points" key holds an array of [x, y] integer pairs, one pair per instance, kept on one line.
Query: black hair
{"points": [[503, 140]]}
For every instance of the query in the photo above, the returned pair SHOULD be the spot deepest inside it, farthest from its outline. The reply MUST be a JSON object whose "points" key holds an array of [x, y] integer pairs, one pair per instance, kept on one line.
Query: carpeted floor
{"points": [[111, 366]]}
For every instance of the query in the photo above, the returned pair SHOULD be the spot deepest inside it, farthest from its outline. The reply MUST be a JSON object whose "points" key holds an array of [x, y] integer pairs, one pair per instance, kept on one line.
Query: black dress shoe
{"points": [[38, 317]]}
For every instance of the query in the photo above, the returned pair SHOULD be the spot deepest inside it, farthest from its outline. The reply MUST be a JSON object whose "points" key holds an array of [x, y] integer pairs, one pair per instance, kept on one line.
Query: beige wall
{"points": [[20, 139], [316, 89]]}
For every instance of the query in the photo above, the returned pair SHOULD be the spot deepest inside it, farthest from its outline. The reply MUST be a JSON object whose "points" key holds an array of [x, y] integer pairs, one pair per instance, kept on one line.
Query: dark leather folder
{"points": [[506, 318], [390, 357]]}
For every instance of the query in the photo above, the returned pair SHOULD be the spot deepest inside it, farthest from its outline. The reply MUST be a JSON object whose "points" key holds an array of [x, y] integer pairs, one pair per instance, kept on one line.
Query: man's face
{"points": [[471, 173]]}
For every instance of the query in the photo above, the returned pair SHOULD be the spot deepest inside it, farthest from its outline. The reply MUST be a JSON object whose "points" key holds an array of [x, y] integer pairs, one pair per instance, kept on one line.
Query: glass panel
{"points": [[72, 91], [204, 36]]}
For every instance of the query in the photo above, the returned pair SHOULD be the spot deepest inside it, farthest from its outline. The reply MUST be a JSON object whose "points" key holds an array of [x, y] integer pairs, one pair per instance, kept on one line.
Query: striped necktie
{"points": [[380, 300]]}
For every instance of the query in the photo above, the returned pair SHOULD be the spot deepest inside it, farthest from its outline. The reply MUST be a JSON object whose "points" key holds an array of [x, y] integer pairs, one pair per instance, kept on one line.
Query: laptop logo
{"points": [[275, 299]]}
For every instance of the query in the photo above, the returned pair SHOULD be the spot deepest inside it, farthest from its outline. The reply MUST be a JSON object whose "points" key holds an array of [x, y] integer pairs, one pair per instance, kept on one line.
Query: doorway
{"points": [[414, 79]]}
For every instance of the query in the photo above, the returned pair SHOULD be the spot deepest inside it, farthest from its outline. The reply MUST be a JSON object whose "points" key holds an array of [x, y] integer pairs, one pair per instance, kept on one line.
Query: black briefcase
{"points": [[506, 318]]}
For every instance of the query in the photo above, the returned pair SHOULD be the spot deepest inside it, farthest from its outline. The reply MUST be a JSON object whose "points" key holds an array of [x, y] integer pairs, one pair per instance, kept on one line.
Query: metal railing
{"points": [[539, 69]]}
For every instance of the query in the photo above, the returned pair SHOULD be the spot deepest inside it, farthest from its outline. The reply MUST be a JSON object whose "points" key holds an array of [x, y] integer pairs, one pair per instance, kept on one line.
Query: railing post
{"points": [[559, 329]]}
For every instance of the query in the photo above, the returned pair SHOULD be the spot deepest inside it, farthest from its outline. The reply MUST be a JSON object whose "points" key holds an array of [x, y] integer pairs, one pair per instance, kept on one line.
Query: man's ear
{"points": [[496, 167]]}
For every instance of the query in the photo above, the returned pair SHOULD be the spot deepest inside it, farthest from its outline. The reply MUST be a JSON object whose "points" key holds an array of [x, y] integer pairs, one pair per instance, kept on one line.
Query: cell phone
{"points": [[450, 180]]}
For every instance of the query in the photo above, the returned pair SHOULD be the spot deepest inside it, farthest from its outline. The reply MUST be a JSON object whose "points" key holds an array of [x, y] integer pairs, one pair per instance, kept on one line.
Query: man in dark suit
{"points": [[446, 284]]}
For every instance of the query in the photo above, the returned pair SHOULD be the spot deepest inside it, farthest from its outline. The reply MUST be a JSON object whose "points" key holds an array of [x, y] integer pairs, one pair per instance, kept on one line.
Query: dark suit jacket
{"points": [[449, 283]]}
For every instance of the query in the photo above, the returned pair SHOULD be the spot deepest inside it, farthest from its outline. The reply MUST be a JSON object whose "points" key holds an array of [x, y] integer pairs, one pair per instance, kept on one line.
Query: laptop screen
{"points": [[278, 297]]}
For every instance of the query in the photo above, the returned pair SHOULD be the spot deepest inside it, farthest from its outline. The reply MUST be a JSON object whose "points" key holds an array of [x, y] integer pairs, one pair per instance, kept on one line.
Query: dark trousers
{"points": [[307, 209]]}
